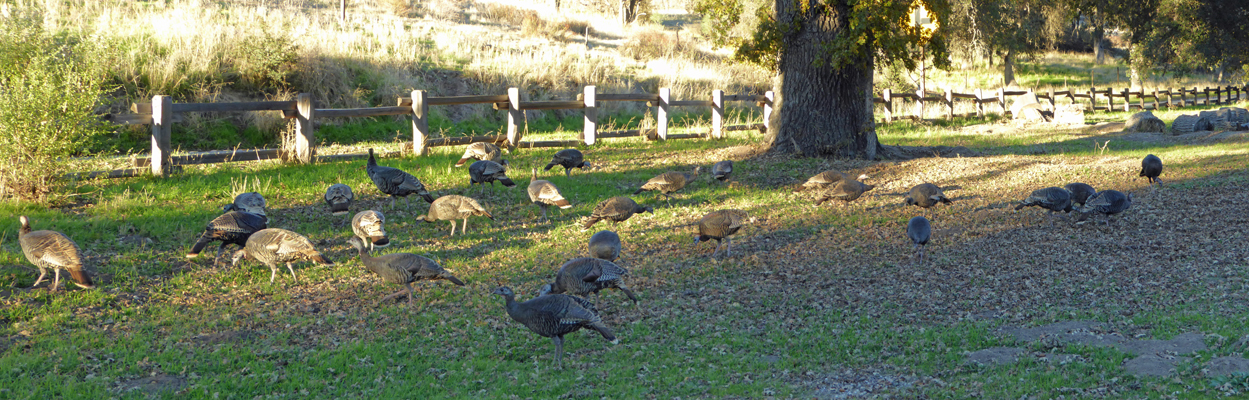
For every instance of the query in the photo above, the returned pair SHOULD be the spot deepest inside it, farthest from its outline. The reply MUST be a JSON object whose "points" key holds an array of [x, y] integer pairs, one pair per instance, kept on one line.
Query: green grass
{"points": [[704, 328]]}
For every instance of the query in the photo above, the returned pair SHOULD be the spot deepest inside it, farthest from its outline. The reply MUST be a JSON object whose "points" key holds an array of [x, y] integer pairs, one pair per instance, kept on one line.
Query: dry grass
{"points": [[205, 52]]}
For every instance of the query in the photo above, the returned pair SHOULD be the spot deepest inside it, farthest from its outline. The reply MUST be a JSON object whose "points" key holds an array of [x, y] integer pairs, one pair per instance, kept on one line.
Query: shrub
{"points": [[652, 44], [448, 10], [49, 87], [402, 8], [504, 14]]}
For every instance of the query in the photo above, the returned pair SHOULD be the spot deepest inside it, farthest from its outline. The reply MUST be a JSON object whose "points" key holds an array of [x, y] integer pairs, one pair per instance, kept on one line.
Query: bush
{"points": [[49, 87], [448, 10], [648, 44]]}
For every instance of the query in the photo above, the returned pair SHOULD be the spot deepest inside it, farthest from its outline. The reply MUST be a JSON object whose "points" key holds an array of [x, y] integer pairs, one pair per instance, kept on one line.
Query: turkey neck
{"points": [[513, 307], [366, 258]]}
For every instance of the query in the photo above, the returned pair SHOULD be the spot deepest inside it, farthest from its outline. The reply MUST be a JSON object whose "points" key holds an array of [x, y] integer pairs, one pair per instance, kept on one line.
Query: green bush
{"points": [[49, 87]]}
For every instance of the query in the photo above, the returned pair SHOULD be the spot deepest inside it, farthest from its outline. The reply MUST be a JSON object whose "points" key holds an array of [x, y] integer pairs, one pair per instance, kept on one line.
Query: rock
{"points": [[995, 355], [1191, 123], [1144, 121], [1069, 114], [1018, 105], [1224, 366], [1181, 344], [1151, 365], [1031, 113]]}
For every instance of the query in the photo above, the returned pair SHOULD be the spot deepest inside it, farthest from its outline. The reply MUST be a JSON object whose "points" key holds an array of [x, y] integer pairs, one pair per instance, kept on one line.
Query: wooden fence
{"points": [[160, 115], [1103, 100], [161, 111]]}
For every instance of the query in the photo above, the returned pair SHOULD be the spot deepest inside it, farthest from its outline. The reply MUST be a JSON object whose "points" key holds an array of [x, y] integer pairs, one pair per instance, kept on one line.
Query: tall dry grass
{"points": [[205, 51]]}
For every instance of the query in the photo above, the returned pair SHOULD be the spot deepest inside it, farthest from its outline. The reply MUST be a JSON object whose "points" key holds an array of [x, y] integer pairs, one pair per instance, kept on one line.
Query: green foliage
{"points": [[48, 91], [265, 63], [866, 31]]}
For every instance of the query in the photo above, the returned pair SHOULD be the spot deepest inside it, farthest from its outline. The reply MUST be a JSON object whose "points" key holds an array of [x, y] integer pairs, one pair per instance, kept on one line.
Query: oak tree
{"points": [[823, 54]]}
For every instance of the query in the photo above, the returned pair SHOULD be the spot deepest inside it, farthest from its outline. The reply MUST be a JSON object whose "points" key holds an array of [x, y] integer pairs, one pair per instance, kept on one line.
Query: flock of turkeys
{"points": [[561, 307]]}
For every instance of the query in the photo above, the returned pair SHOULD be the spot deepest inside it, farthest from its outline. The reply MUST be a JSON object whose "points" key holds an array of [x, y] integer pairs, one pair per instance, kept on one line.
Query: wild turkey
{"points": [[395, 182], [481, 151], [1052, 198], [826, 179], [720, 225], [919, 230], [926, 195], [616, 209], [1106, 202], [722, 170], [402, 269], [1151, 167], [485, 171], [846, 190], [234, 227], [251, 202], [338, 196], [554, 316], [453, 207], [668, 182], [51, 249], [273, 245], [582, 276], [545, 194], [1080, 193], [368, 226], [569, 158], [605, 245]]}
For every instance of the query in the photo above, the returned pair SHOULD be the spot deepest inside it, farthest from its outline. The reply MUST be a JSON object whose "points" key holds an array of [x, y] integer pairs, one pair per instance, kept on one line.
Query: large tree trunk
{"points": [[1099, 35], [628, 11], [1008, 68], [820, 110]]}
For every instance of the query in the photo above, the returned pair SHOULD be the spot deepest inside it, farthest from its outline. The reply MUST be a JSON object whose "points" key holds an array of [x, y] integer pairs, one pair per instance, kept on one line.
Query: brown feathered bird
{"points": [[847, 190], [273, 246], [370, 227], [720, 225], [485, 171], [825, 179], [554, 316], [583, 276], [926, 195], [605, 245], [569, 159], [481, 151], [234, 227], [339, 197], [545, 194], [668, 182], [616, 209], [51, 249], [402, 269], [722, 170], [1151, 167], [453, 207]]}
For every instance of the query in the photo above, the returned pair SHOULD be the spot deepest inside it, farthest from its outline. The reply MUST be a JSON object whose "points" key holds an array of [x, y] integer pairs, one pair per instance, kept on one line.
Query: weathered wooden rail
{"points": [[1098, 100], [161, 113]]}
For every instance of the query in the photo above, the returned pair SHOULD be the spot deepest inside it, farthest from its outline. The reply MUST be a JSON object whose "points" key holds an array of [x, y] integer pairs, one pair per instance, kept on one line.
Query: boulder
{"points": [[1191, 123], [1144, 121], [1027, 100], [1224, 366]]}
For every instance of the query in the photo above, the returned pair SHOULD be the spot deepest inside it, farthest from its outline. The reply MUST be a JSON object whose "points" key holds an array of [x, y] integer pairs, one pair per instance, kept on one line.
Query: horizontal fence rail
{"points": [[162, 113], [1098, 99]]}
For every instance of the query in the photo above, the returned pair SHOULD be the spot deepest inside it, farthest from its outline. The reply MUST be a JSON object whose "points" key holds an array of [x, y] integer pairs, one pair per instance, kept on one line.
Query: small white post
{"points": [[591, 117], [661, 117], [717, 114]]}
